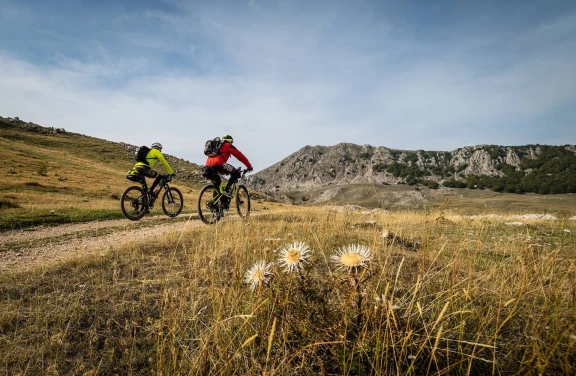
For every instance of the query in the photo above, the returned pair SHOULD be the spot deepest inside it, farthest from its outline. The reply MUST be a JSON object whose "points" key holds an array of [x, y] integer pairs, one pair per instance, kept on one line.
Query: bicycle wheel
{"points": [[172, 202], [242, 201], [133, 203], [209, 209]]}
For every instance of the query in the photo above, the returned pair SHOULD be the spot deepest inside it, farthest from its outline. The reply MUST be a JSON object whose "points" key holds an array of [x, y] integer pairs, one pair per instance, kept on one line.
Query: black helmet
{"points": [[228, 138]]}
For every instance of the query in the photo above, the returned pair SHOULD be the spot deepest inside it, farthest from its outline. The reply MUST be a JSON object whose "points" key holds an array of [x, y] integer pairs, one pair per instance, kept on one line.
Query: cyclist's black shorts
{"points": [[147, 171], [212, 172]]}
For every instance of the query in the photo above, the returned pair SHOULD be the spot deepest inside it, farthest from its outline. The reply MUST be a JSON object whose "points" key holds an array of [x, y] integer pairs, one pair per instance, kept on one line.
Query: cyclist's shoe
{"points": [[225, 200]]}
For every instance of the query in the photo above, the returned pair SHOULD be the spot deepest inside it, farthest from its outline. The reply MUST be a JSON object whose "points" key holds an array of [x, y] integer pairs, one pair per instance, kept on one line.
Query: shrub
{"points": [[380, 167], [430, 184], [6, 204], [498, 187], [366, 155], [43, 169], [453, 184], [33, 184]]}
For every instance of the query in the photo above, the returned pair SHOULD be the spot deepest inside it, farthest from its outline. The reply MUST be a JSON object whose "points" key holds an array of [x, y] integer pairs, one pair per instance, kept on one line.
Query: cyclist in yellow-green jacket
{"points": [[144, 168]]}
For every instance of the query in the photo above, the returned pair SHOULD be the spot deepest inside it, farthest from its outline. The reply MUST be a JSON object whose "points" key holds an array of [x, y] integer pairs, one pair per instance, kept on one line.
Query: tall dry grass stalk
{"points": [[478, 297]]}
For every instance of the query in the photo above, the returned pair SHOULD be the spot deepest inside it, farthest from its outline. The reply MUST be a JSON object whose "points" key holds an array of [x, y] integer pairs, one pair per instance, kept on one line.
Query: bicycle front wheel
{"points": [[209, 208], [242, 201], [133, 203], [172, 202]]}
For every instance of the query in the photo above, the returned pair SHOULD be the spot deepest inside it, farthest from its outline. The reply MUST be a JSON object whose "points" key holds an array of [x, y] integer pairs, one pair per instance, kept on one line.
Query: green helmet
{"points": [[228, 138]]}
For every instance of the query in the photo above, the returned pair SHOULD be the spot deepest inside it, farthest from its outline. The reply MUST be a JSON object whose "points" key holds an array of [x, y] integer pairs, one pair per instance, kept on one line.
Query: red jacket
{"points": [[226, 150]]}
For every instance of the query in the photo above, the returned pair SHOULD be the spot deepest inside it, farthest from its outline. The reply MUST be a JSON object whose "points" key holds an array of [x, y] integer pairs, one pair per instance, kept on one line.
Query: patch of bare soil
{"points": [[43, 246]]}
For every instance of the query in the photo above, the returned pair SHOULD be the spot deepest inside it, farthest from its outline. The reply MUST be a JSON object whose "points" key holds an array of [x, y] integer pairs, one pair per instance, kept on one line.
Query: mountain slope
{"points": [[54, 176]]}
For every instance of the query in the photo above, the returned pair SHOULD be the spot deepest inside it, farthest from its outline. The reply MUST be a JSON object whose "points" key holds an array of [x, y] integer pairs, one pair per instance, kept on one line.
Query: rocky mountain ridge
{"points": [[314, 167]]}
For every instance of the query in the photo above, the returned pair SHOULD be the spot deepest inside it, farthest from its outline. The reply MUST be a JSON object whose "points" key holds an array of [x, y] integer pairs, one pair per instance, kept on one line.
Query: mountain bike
{"points": [[212, 202], [136, 202]]}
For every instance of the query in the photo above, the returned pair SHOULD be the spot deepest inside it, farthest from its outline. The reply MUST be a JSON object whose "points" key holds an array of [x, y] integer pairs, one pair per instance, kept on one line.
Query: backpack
{"points": [[212, 147], [141, 153]]}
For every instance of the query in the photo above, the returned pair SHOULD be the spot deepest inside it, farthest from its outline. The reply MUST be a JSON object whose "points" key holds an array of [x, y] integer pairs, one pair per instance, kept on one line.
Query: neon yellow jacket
{"points": [[152, 157]]}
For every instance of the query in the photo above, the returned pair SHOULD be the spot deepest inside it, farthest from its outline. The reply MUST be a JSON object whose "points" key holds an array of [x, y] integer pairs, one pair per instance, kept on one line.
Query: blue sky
{"points": [[279, 75]]}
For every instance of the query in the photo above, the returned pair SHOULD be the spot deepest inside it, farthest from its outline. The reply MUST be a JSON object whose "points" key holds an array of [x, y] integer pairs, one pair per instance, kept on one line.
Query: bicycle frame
{"points": [[232, 190], [162, 184]]}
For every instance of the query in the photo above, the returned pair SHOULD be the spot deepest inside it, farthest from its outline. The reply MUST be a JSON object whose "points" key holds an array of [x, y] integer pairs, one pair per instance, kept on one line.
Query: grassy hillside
{"points": [[474, 298], [50, 178]]}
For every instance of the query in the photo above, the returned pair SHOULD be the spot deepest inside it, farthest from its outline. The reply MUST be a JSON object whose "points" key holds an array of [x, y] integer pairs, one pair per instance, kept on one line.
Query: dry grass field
{"points": [[463, 201], [424, 288], [305, 291]]}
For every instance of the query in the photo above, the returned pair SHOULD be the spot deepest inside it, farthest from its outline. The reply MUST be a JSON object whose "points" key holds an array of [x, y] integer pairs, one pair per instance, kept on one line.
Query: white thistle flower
{"points": [[258, 274], [385, 234], [352, 257], [293, 256]]}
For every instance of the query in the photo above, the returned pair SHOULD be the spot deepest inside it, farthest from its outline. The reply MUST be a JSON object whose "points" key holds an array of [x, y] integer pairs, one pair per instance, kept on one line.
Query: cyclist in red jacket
{"points": [[217, 165]]}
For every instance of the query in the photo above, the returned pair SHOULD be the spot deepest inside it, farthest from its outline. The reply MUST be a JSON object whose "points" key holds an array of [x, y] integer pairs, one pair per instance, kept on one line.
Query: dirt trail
{"points": [[42, 246]]}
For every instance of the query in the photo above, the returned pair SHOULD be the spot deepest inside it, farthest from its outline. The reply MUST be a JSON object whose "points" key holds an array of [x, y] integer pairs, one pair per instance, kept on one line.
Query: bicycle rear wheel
{"points": [[242, 201], [172, 202], [209, 208], [133, 203]]}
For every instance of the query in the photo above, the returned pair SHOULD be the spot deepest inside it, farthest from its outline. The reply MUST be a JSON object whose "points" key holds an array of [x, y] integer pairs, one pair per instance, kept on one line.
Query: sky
{"points": [[282, 74]]}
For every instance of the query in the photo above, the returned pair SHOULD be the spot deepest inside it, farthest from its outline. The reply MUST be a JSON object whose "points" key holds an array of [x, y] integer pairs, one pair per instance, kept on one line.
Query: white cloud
{"points": [[180, 112], [278, 84]]}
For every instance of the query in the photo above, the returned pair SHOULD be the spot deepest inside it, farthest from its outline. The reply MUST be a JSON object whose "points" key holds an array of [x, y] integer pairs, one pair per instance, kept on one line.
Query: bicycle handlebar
{"points": [[242, 172], [167, 178]]}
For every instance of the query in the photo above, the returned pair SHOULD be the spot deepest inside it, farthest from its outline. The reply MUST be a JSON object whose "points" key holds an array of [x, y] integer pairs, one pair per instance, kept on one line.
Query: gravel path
{"points": [[42, 246]]}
